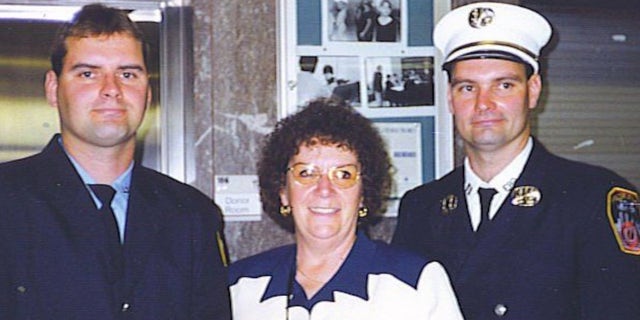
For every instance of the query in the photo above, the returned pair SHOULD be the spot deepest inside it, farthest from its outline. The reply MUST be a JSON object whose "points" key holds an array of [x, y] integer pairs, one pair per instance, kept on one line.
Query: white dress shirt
{"points": [[503, 182]]}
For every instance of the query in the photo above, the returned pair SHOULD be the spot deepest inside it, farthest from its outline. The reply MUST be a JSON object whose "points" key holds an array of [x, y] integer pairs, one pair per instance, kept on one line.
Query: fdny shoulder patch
{"points": [[622, 210]]}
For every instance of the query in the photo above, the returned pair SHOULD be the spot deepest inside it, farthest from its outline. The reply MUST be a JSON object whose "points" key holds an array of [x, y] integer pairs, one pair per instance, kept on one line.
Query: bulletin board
{"points": [[378, 56]]}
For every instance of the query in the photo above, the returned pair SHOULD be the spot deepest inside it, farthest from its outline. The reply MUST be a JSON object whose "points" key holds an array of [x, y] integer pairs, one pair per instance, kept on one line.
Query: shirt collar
{"points": [[121, 184], [351, 277], [281, 275], [504, 181]]}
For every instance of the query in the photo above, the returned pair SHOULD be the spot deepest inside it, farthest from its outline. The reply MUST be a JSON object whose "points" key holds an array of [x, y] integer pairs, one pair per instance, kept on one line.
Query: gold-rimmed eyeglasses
{"points": [[342, 177]]}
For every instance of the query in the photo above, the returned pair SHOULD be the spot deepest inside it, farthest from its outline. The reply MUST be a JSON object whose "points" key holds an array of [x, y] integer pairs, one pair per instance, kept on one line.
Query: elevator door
{"points": [[27, 122]]}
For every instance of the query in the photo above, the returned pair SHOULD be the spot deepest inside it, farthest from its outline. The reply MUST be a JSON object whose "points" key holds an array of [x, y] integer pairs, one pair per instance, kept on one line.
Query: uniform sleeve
{"points": [[210, 298], [609, 269]]}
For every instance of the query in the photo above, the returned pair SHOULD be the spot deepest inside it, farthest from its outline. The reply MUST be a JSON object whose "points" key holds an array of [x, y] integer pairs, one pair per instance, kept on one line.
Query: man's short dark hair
{"points": [[91, 21]]}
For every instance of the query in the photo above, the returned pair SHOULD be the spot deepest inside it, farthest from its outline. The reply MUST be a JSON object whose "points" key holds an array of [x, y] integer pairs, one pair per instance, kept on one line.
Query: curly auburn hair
{"points": [[328, 122]]}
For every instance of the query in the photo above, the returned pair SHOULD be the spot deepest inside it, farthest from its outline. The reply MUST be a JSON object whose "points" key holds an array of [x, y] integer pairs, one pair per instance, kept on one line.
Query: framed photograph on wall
{"points": [[364, 21], [400, 81], [324, 76], [378, 56]]}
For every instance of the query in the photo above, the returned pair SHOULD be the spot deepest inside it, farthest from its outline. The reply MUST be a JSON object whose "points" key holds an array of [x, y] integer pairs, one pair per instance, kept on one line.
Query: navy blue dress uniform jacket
{"points": [[52, 261], [557, 259]]}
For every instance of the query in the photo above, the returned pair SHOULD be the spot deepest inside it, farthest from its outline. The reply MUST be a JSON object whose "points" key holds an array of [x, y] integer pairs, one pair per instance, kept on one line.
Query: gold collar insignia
{"points": [[525, 196]]}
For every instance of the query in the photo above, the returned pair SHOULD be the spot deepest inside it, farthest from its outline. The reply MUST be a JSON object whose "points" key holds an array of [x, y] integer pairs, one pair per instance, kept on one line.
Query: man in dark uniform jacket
{"points": [[554, 239], [86, 233]]}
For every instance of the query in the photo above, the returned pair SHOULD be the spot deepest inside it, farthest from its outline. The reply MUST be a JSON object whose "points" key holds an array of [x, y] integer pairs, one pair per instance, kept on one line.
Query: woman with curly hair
{"points": [[324, 173]]}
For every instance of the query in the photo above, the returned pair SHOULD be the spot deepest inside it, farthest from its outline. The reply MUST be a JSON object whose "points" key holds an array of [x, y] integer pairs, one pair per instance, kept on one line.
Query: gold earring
{"points": [[285, 210], [362, 212]]}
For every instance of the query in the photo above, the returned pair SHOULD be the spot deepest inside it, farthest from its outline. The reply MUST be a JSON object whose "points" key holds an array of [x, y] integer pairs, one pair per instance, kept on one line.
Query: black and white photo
{"points": [[364, 20], [322, 76], [399, 81]]}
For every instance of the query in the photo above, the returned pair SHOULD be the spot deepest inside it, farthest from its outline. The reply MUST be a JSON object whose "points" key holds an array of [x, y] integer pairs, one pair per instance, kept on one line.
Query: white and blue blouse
{"points": [[376, 281]]}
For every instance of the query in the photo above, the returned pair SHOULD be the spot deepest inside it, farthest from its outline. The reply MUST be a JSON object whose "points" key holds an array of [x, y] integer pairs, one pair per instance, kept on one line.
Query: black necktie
{"points": [[485, 204], [115, 263]]}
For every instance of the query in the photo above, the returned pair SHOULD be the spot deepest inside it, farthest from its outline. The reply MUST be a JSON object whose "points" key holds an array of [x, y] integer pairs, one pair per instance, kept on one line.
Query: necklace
{"points": [[310, 278], [295, 270], [292, 276]]}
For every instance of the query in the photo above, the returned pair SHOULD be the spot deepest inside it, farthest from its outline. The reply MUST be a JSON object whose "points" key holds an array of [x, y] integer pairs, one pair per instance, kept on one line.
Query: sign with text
{"points": [[238, 196]]}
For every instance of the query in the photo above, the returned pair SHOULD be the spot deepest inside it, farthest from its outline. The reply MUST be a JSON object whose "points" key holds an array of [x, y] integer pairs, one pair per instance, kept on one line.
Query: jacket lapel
{"points": [[60, 185], [57, 183], [454, 231], [144, 223]]}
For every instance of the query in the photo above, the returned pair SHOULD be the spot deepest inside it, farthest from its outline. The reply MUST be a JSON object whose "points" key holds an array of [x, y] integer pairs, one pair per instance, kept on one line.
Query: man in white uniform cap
{"points": [[524, 234]]}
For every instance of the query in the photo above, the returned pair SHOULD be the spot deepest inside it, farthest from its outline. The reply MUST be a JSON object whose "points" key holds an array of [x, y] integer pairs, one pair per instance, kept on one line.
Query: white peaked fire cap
{"points": [[494, 31]]}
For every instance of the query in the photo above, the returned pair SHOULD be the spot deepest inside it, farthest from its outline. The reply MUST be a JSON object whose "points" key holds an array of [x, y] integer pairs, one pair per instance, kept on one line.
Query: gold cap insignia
{"points": [[449, 203], [481, 17], [525, 196]]}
